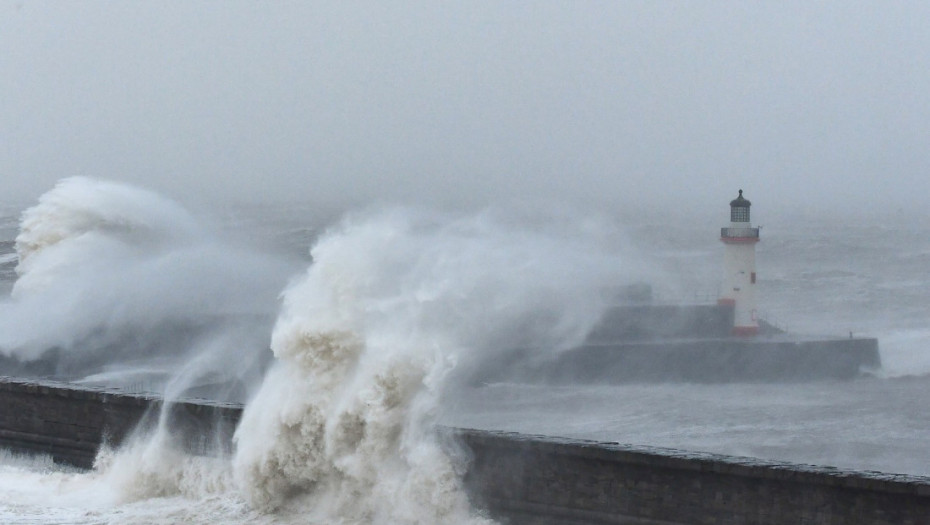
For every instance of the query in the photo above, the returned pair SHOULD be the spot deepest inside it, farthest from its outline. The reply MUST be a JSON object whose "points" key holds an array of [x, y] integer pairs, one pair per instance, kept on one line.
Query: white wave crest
{"points": [[342, 426], [113, 277], [80, 213]]}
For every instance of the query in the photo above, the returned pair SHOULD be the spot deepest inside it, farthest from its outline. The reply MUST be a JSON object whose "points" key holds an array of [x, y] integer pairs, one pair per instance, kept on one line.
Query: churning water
{"points": [[349, 361]]}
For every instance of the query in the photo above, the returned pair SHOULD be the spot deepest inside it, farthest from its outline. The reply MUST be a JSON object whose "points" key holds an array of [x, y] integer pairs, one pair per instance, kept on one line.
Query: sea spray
{"points": [[342, 427], [152, 465], [396, 305], [122, 284], [38, 491], [79, 212]]}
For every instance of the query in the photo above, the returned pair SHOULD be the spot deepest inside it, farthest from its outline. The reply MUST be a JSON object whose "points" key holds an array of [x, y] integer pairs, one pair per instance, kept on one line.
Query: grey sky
{"points": [[600, 104]]}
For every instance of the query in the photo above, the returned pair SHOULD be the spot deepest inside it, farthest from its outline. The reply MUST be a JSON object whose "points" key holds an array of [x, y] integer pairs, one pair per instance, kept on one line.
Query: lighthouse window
{"points": [[739, 214]]}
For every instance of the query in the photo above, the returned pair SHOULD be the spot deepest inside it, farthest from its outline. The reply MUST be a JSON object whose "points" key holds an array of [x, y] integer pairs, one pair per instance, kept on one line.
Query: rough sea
{"points": [[367, 333]]}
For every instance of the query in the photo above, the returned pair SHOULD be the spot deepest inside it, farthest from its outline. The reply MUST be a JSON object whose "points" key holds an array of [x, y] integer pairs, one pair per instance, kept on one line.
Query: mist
{"points": [[815, 106]]}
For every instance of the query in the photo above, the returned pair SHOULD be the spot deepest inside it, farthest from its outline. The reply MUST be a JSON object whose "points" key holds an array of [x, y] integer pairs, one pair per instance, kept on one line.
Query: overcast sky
{"points": [[600, 104]]}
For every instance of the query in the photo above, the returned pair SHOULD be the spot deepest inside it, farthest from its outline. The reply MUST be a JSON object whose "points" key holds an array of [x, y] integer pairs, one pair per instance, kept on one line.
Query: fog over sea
{"points": [[347, 339]]}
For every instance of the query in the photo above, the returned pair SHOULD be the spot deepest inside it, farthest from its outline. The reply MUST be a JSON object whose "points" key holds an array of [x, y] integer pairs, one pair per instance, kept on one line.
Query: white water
{"points": [[394, 307], [130, 286], [365, 342], [36, 491], [372, 340]]}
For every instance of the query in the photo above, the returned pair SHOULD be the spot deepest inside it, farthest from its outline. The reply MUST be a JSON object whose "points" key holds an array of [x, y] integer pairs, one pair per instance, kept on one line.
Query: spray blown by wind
{"points": [[368, 342], [395, 312], [120, 284]]}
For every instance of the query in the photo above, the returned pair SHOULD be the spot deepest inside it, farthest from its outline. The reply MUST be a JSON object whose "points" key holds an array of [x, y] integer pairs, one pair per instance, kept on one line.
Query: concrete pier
{"points": [[732, 359], [686, 343]]}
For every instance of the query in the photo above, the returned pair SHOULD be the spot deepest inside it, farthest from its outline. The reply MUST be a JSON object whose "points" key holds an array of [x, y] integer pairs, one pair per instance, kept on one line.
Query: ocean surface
{"points": [[818, 274]]}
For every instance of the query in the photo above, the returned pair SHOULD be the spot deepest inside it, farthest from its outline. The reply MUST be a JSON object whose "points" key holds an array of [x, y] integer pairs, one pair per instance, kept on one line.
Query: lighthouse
{"points": [[739, 282]]}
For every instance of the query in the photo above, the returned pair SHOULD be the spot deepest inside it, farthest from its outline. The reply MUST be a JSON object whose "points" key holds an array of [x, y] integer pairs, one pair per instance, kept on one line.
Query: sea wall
{"points": [[539, 480], [70, 422], [520, 479]]}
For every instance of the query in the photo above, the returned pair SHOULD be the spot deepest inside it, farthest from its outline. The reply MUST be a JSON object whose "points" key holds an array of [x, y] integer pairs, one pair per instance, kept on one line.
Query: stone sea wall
{"points": [[520, 479], [539, 480], [71, 422]]}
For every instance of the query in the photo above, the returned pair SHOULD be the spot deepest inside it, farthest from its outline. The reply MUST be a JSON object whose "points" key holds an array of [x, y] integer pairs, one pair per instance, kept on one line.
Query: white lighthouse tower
{"points": [[739, 282]]}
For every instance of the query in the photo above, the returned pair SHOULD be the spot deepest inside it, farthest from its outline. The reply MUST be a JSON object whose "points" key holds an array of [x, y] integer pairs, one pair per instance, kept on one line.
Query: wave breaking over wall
{"points": [[396, 310], [368, 341]]}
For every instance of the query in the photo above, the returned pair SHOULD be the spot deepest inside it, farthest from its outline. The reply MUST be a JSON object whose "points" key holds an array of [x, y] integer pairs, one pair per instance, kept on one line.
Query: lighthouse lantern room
{"points": [[739, 282]]}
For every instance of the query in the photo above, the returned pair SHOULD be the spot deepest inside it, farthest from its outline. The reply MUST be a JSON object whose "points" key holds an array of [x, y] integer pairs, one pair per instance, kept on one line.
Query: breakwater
{"points": [[687, 343], [541, 480], [71, 422], [535, 480]]}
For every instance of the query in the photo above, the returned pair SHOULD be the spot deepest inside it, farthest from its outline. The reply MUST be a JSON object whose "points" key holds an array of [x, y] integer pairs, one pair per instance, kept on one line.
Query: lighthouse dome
{"points": [[740, 202], [739, 208]]}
